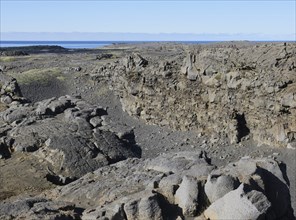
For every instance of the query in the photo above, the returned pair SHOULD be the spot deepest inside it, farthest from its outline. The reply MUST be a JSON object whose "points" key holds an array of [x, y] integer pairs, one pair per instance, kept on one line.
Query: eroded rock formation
{"points": [[221, 91], [172, 185]]}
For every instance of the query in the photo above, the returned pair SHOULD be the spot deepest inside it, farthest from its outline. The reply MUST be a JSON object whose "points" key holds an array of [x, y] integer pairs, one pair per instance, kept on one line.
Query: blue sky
{"points": [[266, 18]]}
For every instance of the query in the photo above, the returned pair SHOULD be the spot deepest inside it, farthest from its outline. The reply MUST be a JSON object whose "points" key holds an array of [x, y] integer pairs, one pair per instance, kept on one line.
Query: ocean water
{"points": [[79, 44]]}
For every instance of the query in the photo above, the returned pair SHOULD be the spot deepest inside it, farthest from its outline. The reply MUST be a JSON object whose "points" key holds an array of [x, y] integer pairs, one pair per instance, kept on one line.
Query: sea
{"points": [[82, 44]]}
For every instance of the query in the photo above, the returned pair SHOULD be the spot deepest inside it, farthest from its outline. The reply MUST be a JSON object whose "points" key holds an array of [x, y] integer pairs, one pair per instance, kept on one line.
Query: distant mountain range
{"points": [[101, 36]]}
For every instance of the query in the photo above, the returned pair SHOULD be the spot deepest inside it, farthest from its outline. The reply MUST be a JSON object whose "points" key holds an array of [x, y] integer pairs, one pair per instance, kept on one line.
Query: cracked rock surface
{"points": [[58, 130], [223, 91], [167, 187]]}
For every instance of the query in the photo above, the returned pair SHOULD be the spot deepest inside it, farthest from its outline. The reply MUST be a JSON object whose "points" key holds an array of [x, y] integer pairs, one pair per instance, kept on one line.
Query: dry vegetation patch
{"points": [[42, 76]]}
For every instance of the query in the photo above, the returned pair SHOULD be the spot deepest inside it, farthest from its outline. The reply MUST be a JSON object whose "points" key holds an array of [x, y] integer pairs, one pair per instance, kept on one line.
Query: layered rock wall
{"points": [[220, 91]]}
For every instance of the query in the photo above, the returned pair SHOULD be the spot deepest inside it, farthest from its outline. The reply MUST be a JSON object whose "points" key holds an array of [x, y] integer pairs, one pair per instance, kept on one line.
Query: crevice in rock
{"points": [[5, 151], [59, 180], [242, 129], [283, 168], [278, 194], [203, 201], [79, 212], [169, 211], [123, 212]]}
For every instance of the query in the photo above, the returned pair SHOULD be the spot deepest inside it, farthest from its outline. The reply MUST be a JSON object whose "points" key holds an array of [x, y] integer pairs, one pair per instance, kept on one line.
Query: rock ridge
{"points": [[221, 91]]}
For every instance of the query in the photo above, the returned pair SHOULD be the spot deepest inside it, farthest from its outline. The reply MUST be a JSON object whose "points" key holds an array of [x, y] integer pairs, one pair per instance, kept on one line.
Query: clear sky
{"points": [[276, 18]]}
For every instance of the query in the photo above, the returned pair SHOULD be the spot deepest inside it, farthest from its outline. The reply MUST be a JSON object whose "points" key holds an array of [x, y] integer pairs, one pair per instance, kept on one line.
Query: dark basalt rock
{"points": [[58, 130]]}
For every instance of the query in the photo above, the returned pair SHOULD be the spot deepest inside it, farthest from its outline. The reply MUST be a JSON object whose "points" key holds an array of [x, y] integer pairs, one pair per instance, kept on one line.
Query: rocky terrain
{"points": [[148, 131], [224, 91]]}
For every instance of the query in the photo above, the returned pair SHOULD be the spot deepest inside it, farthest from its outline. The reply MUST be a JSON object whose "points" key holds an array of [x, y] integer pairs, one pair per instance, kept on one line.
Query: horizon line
{"points": [[114, 32]]}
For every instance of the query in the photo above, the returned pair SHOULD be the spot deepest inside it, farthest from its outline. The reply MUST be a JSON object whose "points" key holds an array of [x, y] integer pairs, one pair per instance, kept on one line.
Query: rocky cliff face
{"points": [[224, 91]]}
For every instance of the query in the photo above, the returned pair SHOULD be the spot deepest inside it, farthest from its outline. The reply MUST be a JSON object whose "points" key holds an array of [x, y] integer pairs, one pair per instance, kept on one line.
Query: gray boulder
{"points": [[187, 196], [145, 207], [242, 203], [263, 175], [217, 186], [96, 121], [53, 106], [6, 99], [74, 156]]}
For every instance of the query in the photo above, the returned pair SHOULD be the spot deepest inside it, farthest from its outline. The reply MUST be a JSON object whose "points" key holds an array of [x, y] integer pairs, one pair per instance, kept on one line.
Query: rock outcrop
{"points": [[171, 186], [38, 208], [9, 90], [66, 134], [221, 91]]}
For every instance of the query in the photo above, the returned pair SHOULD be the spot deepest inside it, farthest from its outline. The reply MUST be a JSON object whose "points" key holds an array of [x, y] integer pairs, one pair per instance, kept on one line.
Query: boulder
{"points": [[263, 175], [187, 196], [96, 121], [241, 203], [6, 99], [217, 186]]}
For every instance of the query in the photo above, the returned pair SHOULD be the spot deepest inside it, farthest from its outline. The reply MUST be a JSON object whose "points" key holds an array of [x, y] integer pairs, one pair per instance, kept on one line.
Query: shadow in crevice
{"points": [[242, 128], [278, 193], [59, 180], [169, 211], [79, 210], [130, 140], [283, 168], [4, 151], [203, 199]]}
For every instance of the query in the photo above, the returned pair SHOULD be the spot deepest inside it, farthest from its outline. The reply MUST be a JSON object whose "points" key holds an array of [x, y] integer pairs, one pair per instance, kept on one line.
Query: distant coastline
{"points": [[94, 44], [65, 44], [84, 44]]}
